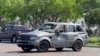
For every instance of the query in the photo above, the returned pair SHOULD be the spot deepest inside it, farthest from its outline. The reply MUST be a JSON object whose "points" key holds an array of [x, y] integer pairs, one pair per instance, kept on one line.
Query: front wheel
{"points": [[77, 45], [44, 45], [26, 49], [14, 39]]}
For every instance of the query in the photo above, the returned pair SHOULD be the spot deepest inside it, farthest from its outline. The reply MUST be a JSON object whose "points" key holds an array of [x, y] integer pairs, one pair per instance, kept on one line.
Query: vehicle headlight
{"points": [[32, 38]]}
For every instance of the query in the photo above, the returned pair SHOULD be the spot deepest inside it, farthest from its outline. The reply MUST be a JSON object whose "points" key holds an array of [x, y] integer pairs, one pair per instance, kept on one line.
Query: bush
{"points": [[93, 40]]}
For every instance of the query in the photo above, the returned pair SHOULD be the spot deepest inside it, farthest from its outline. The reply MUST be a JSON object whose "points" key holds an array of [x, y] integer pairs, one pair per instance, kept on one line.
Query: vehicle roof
{"points": [[15, 25], [62, 23], [20, 27]]}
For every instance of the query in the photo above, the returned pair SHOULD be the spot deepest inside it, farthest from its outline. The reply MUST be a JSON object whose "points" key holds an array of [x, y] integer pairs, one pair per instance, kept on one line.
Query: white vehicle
{"points": [[54, 35]]}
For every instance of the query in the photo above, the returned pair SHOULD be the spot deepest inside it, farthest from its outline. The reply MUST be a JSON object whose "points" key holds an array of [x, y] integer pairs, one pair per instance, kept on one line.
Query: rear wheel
{"points": [[59, 49], [14, 39], [0, 40], [77, 45], [26, 49], [44, 46]]}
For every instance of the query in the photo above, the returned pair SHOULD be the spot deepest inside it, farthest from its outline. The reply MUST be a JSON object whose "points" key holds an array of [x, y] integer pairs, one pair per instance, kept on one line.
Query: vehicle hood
{"points": [[37, 33]]}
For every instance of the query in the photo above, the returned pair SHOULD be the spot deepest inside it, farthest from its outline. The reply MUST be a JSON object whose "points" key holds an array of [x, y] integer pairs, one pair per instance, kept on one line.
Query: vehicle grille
{"points": [[25, 37]]}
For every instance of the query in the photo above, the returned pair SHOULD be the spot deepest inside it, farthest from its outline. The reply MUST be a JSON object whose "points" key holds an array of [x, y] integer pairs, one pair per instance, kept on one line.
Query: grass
{"points": [[94, 41], [93, 44]]}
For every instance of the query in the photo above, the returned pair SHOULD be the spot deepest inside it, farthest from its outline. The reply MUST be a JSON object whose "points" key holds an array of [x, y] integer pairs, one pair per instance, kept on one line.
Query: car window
{"points": [[78, 29], [71, 28], [21, 28], [8, 28], [47, 26], [61, 28]]}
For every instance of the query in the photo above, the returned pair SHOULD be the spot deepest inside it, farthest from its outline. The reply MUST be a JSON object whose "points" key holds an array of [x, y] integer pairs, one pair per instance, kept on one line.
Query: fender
{"points": [[79, 38], [44, 38]]}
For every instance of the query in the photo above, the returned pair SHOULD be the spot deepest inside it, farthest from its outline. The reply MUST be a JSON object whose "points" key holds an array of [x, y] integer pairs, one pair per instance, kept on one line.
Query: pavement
{"points": [[10, 49]]}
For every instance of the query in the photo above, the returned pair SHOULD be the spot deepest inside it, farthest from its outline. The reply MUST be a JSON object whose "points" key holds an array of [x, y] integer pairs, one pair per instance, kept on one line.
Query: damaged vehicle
{"points": [[56, 35]]}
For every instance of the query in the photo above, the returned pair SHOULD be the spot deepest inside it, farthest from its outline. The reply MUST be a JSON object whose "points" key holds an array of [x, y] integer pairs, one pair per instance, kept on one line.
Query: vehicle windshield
{"points": [[48, 27]]}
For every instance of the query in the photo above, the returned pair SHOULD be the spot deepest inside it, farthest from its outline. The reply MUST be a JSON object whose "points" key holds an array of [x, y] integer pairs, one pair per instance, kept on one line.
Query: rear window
{"points": [[7, 28], [79, 29]]}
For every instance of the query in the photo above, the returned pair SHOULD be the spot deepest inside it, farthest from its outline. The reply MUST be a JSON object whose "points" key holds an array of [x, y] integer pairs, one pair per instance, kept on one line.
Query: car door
{"points": [[59, 41], [64, 36], [82, 33], [71, 35], [2, 35]]}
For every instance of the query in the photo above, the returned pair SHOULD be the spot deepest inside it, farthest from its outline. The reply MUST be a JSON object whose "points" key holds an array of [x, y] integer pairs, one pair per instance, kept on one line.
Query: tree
{"points": [[40, 10], [52, 9], [94, 16], [92, 8], [11, 8]]}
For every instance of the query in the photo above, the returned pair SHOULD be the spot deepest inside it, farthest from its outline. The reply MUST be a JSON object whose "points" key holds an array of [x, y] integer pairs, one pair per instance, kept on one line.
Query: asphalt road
{"points": [[9, 49]]}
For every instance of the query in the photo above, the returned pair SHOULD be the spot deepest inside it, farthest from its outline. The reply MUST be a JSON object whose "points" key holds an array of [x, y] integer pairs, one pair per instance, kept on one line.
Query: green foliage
{"points": [[11, 8], [46, 9], [53, 8], [92, 9], [94, 16], [94, 41]]}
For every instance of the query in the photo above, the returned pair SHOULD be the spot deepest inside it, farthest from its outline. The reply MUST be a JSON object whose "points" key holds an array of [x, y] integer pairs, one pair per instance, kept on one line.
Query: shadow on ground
{"points": [[49, 51], [7, 42]]}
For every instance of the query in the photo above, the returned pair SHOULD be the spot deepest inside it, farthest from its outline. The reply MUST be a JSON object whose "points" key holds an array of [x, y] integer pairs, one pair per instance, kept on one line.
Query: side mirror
{"points": [[57, 32]]}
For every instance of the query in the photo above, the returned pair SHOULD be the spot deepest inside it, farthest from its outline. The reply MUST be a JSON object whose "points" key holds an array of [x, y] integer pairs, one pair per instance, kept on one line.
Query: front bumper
{"points": [[27, 42]]}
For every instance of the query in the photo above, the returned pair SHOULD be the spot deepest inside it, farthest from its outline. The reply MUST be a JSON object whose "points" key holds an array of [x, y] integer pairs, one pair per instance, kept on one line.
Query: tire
{"points": [[0, 40], [26, 49], [43, 47], [77, 45], [59, 49], [14, 39]]}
